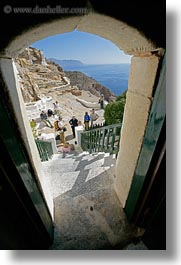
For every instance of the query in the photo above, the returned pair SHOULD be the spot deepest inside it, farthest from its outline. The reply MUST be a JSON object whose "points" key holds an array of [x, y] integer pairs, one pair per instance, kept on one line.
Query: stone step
{"points": [[93, 164], [71, 184], [74, 183], [79, 174], [88, 214], [61, 182], [60, 165], [57, 159], [94, 220]]}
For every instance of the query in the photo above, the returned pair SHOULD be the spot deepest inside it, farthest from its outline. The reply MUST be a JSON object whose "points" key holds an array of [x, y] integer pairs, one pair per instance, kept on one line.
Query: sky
{"points": [[85, 47]]}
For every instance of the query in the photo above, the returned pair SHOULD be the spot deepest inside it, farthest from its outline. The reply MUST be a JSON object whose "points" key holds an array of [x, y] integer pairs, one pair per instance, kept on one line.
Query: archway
{"points": [[141, 83]]}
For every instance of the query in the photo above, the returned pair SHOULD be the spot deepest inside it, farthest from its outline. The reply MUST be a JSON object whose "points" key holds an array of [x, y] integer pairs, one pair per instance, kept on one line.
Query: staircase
{"points": [[88, 214]]}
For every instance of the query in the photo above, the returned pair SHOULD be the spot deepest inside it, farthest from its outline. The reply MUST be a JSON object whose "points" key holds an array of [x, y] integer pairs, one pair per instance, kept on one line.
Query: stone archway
{"points": [[140, 87], [127, 38]]}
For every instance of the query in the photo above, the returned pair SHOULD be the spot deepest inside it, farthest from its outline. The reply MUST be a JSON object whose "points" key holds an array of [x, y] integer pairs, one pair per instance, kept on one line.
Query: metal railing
{"points": [[45, 149], [103, 139]]}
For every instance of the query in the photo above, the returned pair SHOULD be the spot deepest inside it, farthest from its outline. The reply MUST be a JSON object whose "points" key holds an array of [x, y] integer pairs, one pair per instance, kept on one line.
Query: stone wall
{"points": [[136, 113]]}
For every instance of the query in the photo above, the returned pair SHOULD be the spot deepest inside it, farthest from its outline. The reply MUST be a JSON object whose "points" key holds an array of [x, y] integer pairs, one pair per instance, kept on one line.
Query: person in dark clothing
{"points": [[43, 115], [73, 122], [45, 119], [101, 101], [50, 113]]}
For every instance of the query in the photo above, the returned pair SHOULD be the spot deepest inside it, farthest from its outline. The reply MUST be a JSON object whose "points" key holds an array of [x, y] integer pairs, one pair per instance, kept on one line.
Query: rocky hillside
{"points": [[89, 84], [39, 76]]}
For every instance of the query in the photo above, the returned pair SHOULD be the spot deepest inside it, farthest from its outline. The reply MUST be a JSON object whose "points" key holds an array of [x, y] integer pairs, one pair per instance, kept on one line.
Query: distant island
{"points": [[67, 63]]}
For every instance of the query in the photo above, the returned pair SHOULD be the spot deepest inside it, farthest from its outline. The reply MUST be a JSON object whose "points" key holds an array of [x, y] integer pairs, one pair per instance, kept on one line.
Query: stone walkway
{"points": [[88, 214]]}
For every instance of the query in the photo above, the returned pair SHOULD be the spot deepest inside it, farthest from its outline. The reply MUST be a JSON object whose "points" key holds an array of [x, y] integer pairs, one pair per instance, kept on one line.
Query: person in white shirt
{"points": [[57, 108], [93, 117], [62, 127]]}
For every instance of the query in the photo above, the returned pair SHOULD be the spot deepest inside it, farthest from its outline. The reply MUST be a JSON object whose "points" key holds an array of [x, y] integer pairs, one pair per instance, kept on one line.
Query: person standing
{"points": [[62, 128], [73, 122], [93, 117], [57, 108], [86, 121], [33, 124], [101, 101]]}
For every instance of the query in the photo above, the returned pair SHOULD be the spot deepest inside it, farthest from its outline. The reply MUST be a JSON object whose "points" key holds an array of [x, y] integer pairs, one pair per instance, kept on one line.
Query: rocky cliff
{"points": [[39, 76], [89, 84]]}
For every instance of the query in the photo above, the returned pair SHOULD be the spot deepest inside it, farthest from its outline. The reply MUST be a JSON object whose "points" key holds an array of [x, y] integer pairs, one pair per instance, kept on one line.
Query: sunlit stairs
{"points": [[88, 214]]}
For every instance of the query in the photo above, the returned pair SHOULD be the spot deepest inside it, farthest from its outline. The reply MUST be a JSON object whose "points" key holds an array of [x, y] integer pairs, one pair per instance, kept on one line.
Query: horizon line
{"points": [[89, 63]]}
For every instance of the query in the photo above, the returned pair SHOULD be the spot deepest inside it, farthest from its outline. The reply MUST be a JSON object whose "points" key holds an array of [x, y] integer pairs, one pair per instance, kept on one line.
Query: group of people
{"points": [[50, 119], [46, 117], [60, 127], [89, 120], [92, 118]]}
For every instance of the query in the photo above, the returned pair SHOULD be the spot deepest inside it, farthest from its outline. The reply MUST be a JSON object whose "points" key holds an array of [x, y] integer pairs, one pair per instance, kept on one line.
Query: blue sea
{"points": [[113, 76]]}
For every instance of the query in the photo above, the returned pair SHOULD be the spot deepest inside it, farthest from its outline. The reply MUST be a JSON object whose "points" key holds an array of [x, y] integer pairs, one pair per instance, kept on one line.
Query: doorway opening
{"points": [[103, 26]]}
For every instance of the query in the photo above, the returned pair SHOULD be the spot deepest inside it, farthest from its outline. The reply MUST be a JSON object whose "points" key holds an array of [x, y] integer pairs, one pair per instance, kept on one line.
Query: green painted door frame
{"points": [[18, 177], [152, 133]]}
